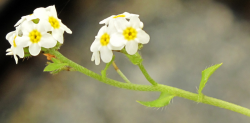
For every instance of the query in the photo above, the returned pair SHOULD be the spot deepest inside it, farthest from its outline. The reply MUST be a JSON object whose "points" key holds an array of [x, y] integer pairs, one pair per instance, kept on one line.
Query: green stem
{"points": [[145, 73], [104, 75], [120, 73], [158, 87]]}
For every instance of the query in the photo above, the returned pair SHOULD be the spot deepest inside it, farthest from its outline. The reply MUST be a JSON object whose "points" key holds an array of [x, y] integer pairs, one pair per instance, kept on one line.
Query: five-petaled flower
{"points": [[123, 30], [102, 44], [35, 36], [49, 14]]}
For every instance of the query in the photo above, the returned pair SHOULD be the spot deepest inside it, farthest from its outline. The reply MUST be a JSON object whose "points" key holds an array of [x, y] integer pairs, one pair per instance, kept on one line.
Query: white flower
{"points": [[110, 20], [102, 44], [49, 14], [24, 18], [129, 34], [15, 49], [35, 36]]}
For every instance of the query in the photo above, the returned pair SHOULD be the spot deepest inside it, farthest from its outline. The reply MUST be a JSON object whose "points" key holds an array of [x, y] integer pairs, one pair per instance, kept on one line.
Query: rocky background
{"points": [[186, 37]]}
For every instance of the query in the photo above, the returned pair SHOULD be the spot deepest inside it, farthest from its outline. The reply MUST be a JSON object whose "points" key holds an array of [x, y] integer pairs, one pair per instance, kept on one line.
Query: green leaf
{"points": [[205, 76], [162, 101], [54, 66]]}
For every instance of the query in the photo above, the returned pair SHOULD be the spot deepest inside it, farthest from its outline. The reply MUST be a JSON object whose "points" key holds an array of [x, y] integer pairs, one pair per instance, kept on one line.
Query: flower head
{"points": [[102, 44], [35, 36], [49, 15], [129, 33]]}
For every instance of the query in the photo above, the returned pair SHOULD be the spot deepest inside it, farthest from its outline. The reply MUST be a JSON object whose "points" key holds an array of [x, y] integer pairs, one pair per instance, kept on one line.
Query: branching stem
{"points": [[157, 87]]}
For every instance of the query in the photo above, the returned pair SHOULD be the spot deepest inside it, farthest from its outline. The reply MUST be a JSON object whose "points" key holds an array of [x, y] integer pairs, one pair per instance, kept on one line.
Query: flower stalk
{"points": [[120, 72], [159, 87]]}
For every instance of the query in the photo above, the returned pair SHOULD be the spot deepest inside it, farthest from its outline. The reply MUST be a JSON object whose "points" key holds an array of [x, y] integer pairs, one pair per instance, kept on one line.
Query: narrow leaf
{"points": [[162, 101], [205, 76], [54, 66]]}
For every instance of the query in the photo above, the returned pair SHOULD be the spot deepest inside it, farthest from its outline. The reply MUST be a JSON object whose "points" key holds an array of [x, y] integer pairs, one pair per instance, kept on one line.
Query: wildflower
{"points": [[35, 36], [49, 14], [129, 33], [102, 44], [15, 49]]}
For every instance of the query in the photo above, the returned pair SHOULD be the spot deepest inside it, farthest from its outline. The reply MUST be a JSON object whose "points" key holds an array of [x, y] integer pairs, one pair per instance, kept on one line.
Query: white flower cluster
{"points": [[119, 31], [40, 29]]}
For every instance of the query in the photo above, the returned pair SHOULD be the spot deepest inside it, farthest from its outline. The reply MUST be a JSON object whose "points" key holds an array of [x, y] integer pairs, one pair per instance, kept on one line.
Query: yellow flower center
{"points": [[130, 33], [35, 36], [14, 42], [119, 16], [105, 39], [54, 22]]}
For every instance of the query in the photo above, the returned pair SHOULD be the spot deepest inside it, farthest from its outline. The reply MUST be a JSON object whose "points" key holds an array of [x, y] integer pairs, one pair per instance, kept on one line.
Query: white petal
{"points": [[129, 15], [117, 48], [64, 27], [10, 36], [131, 47], [16, 59], [20, 21], [111, 27], [106, 20], [19, 51], [106, 54], [101, 31], [95, 45], [92, 57], [96, 57], [58, 35], [121, 24], [44, 26], [41, 13], [27, 26], [117, 40], [34, 49], [47, 41], [9, 53], [53, 11], [8, 50], [141, 25], [143, 37], [135, 22], [22, 41]]}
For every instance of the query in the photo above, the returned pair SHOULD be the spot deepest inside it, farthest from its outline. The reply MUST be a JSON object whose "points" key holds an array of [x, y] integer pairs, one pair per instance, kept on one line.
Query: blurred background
{"points": [[186, 37]]}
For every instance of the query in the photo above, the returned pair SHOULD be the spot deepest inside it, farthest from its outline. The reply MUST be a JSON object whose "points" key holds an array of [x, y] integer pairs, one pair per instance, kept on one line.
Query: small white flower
{"points": [[102, 44], [129, 34], [49, 14], [110, 20], [15, 49], [24, 18], [35, 36]]}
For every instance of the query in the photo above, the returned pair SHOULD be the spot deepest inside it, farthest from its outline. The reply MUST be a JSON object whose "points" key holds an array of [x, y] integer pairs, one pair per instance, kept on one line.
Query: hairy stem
{"points": [[145, 73], [120, 72], [158, 87]]}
